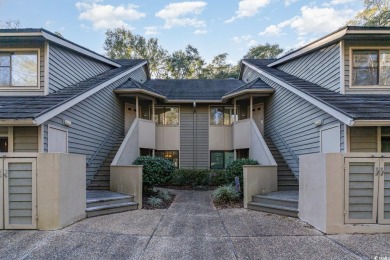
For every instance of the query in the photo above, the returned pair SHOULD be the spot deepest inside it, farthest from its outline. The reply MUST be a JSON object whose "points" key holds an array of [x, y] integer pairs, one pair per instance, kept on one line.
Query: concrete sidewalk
{"points": [[190, 229]]}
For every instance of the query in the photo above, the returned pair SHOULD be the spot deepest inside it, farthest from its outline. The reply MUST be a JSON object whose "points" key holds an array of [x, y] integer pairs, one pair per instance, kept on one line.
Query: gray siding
{"points": [[92, 121], [4, 44], [67, 68], [25, 139], [355, 43], [321, 67], [139, 75], [293, 118], [194, 141]]}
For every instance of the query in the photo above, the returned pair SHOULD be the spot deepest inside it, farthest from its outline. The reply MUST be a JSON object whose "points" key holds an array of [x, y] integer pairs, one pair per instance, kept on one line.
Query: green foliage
{"points": [[121, 43], [220, 69], [156, 171], [266, 51], [235, 168], [192, 178], [225, 194], [376, 13], [154, 201], [187, 64], [165, 195]]}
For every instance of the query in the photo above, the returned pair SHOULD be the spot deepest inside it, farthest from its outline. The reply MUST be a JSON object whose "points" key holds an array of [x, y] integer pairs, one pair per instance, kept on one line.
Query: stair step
{"points": [[282, 187], [102, 177], [91, 203], [100, 182], [93, 186], [110, 209], [287, 182], [283, 202], [286, 211]]}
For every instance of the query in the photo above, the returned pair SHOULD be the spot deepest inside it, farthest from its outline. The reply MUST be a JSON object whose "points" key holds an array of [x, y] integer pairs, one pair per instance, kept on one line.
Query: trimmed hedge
{"points": [[192, 178], [157, 171]]}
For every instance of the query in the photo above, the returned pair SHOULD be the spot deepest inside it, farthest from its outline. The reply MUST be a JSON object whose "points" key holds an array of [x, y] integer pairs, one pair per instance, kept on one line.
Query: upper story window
{"points": [[222, 115], [166, 115], [19, 69], [371, 68]]}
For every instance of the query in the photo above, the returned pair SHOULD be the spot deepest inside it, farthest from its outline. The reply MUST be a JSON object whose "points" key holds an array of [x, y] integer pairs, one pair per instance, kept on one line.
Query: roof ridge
{"points": [[250, 83]]}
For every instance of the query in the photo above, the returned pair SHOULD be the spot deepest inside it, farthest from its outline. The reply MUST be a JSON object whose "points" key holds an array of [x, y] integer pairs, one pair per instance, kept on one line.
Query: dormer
{"points": [[38, 62]]}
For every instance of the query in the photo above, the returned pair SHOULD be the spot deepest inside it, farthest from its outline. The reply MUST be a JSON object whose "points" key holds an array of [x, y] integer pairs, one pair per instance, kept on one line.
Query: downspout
{"points": [[194, 135]]}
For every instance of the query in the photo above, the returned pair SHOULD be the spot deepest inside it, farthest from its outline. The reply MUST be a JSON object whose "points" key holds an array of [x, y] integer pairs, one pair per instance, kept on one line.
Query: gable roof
{"points": [[334, 37], [29, 32], [347, 108], [38, 109], [190, 90]]}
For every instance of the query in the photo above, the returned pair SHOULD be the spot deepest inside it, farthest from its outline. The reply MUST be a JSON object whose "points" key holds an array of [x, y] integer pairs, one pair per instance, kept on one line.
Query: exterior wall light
{"points": [[67, 123]]}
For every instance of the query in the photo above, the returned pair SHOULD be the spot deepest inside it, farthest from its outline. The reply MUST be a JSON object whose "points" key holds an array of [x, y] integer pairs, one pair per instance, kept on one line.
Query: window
{"points": [[164, 115], [3, 144], [242, 153], [172, 156], [385, 139], [18, 69], [146, 152], [220, 115], [371, 67], [220, 159]]}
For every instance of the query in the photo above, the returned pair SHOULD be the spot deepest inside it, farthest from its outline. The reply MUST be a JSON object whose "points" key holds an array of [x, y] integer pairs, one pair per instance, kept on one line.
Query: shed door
{"points": [[20, 193], [57, 140], [330, 139], [1, 195]]}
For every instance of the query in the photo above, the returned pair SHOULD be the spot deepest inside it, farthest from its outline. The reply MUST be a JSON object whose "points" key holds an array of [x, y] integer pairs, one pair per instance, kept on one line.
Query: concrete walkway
{"points": [[190, 229]]}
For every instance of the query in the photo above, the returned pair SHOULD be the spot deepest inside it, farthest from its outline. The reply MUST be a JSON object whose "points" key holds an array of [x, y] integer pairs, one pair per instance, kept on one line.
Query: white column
{"points": [[235, 110], [153, 113]]}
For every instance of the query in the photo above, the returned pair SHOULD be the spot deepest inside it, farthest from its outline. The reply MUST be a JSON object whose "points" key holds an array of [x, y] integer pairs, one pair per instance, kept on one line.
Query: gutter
{"points": [[17, 122]]}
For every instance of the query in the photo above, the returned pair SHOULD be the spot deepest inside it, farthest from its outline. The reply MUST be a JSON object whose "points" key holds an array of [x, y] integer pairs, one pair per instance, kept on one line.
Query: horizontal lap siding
{"points": [[321, 67], [363, 139], [139, 75], [192, 137], [186, 137], [25, 139], [202, 137], [26, 44], [355, 43], [92, 120], [67, 68], [293, 118]]}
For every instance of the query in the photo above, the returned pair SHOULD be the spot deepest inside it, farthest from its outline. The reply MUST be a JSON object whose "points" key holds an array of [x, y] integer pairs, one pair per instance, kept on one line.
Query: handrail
{"points": [[100, 147], [284, 142]]}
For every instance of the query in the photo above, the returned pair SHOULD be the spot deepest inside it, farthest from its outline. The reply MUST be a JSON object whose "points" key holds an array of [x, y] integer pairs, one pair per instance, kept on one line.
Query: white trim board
{"points": [[52, 113], [331, 111]]}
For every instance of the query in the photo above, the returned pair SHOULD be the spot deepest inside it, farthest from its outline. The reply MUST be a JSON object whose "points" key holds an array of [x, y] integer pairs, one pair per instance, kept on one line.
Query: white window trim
{"points": [[24, 88], [223, 125], [327, 128], [60, 129], [368, 87], [155, 106]]}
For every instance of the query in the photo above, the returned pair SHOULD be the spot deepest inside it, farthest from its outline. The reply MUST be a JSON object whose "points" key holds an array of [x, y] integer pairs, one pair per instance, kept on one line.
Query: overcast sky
{"points": [[213, 26]]}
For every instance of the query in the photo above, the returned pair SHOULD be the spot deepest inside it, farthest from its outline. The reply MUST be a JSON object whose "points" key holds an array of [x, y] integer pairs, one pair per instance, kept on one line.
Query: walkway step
{"points": [[91, 203], [290, 203], [286, 211], [110, 209]]}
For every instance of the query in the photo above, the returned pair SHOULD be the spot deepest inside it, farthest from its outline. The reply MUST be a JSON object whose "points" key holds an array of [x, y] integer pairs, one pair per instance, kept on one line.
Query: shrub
{"points": [[225, 194], [156, 171], [203, 177], [154, 201], [235, 168], [165, 195]]}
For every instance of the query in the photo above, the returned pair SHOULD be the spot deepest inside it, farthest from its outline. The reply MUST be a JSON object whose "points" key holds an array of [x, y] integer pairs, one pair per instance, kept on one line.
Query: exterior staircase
{"points": [[285, 200], [101, 180], [101, 202], [286, 178]]}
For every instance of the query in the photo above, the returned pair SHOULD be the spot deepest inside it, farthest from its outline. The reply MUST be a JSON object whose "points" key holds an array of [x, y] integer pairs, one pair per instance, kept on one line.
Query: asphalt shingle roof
{"points": [[31, 107], [254, 84], [195, 89], [356, 106]]}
